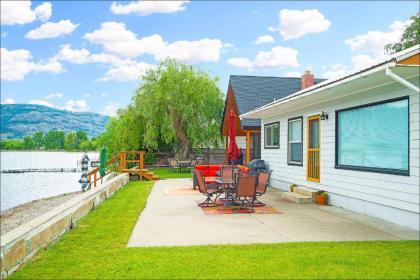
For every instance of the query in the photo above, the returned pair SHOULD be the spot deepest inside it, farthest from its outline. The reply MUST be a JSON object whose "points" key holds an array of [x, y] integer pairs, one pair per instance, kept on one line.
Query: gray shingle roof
{"points": [[252, 92]]}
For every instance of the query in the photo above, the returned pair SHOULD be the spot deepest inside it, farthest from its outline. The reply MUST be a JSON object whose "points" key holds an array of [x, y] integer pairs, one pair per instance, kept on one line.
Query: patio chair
{"points": [[263, 178], [209, 190], [173, 163], [245, 190]]}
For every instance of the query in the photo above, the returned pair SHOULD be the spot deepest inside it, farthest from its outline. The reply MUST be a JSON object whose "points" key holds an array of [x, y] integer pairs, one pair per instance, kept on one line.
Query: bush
{"points": [[149, 158]]}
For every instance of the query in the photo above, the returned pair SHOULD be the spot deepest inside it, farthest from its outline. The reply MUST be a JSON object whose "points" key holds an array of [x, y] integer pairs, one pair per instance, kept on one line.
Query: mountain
{"points": [[18, 120]]}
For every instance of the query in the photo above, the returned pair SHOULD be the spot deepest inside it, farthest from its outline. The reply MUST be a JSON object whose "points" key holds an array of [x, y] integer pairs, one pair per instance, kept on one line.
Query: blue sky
{"points": [[87, 56]]}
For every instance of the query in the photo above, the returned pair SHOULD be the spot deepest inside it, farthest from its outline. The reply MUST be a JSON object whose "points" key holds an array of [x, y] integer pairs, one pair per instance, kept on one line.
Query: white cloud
{"points": [[296, 23], [144, 8], [41, 102], [240, 62], [16, 64], [278, 57], [54, 95], [9, 101], [20, 12], [358, 62], [264, 39], [126, 72], [103, 94], [76, 106], [66, 53], [374, 41], [191, 51], [117, 40], [53, 66], [293, 74], [273, 29], [335, 70], [110, 109], [52, 30]]}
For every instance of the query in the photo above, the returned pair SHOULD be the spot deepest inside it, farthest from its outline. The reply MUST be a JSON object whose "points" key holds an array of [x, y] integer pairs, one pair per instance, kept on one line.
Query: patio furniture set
{"points": [[237, 184]]}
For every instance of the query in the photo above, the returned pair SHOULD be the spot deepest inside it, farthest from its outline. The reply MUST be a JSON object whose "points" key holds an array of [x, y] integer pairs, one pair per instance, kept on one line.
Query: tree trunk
{"points": [[181, 134]]}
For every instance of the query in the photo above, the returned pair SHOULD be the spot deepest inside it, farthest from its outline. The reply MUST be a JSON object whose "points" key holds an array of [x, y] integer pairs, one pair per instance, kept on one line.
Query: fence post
{"points": [[94, 179], [141, 165]]}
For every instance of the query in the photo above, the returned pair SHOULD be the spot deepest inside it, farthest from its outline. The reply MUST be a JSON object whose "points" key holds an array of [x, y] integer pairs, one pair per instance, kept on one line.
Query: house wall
{"points": [[389, 197]]}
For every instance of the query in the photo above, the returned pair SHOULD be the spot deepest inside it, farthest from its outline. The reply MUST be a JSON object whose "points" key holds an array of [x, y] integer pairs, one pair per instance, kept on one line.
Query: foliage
{"points": [[70, 143], [97, 249], [18, 120], [38, 138], [12, 145], [122, 132], [28, 143], [292, 187], [180, 105], [409, 38], [53, 140], [149, 158]]}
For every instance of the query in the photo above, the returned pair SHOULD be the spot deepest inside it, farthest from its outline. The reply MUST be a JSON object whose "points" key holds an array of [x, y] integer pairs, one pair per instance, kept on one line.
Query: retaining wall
{"points": [[23, 242]]}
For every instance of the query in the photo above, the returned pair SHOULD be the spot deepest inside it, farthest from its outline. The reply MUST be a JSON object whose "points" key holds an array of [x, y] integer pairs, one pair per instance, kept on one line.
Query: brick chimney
{"points": [[307, 80]]}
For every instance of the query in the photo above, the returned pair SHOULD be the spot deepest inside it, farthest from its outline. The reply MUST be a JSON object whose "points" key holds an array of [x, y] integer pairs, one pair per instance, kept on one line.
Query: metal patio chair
{"points": [[211, 191], [245, 190], [262, 185]]}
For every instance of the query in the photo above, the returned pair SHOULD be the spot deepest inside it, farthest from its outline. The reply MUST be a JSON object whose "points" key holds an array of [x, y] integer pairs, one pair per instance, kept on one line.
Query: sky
{"points": [[89, 55]]}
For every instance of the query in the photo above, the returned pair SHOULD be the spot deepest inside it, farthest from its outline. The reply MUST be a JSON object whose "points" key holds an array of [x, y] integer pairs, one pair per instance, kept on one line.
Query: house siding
{"points": [[389, 197]]}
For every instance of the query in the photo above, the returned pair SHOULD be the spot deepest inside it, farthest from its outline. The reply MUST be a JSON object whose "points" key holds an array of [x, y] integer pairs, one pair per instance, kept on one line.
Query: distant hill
{"points": [[18, 120]]}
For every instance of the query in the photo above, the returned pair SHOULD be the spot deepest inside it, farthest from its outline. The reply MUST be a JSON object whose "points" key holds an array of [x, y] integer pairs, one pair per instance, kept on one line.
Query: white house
{"points": [[356, 137]]}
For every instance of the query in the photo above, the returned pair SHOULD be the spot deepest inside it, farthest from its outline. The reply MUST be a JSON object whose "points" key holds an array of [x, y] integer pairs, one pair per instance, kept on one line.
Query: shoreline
{"points": [[13, 217]]}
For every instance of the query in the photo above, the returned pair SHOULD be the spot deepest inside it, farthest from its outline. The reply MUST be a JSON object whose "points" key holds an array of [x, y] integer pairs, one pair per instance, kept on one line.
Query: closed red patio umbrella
{"points": [[233, 151]]}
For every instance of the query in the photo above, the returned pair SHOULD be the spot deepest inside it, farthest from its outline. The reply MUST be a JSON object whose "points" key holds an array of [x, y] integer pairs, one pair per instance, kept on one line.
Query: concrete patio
{"points": [[176, 220]]}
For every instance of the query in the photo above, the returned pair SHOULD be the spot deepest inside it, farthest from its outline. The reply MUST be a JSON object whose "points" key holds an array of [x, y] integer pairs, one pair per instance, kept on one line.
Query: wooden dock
{"points": [[24, 170]]}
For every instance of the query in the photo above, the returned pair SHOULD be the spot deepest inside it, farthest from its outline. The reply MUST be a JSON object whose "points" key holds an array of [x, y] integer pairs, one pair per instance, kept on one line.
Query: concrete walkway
{"points": [[176, 220]]}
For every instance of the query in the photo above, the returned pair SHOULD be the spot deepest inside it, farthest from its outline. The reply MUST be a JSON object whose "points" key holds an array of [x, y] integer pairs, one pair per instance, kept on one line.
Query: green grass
{"points": [[166, 173], [96, 248]]}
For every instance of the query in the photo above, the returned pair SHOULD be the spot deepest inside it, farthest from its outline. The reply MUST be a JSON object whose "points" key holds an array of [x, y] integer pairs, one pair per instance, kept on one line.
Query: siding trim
{"points": [[272, 147], [293, 163]]}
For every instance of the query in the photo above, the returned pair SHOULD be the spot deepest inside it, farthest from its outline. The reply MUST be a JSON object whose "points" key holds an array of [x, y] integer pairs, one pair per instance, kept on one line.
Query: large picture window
{"points": [[374, 137], [294, 149], [271, 135]]}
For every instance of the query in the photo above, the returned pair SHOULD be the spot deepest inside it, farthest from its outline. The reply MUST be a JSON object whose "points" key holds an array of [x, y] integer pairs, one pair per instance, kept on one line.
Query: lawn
{"points": [[96, 248], [166, 172]]}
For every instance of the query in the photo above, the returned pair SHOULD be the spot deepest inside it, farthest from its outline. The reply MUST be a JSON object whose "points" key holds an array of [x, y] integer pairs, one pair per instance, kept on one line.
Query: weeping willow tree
{"points": [[409, 38], [123, 132], [179, 105]]}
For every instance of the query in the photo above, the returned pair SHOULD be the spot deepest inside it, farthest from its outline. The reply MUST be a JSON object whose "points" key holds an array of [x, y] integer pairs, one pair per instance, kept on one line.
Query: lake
{"points": [[19, 188]]}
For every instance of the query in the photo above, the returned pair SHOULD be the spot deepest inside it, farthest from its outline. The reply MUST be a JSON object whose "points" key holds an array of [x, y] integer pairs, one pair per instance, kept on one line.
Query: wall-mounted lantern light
{"points": [[324, 116]]}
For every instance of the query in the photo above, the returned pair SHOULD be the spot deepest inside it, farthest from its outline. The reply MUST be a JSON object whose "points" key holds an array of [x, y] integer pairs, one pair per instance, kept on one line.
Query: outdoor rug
{"points": [[181, 191], [221, 209]]}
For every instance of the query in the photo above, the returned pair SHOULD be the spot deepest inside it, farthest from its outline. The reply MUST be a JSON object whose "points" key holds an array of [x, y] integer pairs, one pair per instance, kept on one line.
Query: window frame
{"points": [[265, 143], [289, 162], [373, 169]]}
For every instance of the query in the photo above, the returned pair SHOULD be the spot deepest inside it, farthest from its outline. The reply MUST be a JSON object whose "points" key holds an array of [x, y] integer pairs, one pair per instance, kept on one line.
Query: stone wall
{"points": [[23, 242]]}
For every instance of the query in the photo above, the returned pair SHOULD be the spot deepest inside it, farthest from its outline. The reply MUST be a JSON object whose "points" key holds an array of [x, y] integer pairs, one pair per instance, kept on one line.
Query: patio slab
{"points": [[176, 220]]}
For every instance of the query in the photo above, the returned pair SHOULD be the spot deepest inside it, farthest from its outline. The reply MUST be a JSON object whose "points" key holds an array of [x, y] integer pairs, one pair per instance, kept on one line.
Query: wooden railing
{"points": [[128, 162]]}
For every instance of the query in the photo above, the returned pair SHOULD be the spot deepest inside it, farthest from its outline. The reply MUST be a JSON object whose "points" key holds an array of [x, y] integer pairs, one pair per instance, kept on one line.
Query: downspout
{"points": [[400, 79]]}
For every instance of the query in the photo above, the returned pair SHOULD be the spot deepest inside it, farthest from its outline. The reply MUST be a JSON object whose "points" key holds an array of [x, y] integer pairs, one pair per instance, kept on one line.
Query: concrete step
{"points": [[297, 198], [306, 191]]}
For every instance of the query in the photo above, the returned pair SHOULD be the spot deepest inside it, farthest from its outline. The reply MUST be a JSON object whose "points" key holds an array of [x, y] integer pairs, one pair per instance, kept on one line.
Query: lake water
{"points": [[19, 188]]}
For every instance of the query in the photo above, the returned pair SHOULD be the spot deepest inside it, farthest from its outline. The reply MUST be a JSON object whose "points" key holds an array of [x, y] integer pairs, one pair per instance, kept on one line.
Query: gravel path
{"points": [[16, 216]]}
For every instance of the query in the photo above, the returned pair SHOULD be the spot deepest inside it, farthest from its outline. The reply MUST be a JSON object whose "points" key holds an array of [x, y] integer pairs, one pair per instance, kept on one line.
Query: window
{"points": [[294, 149], [271, 135], [374, 137]]}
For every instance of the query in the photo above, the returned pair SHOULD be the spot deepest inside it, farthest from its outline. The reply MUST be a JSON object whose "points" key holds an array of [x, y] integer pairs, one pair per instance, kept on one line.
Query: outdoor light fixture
{"points": [[324, 116]]}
